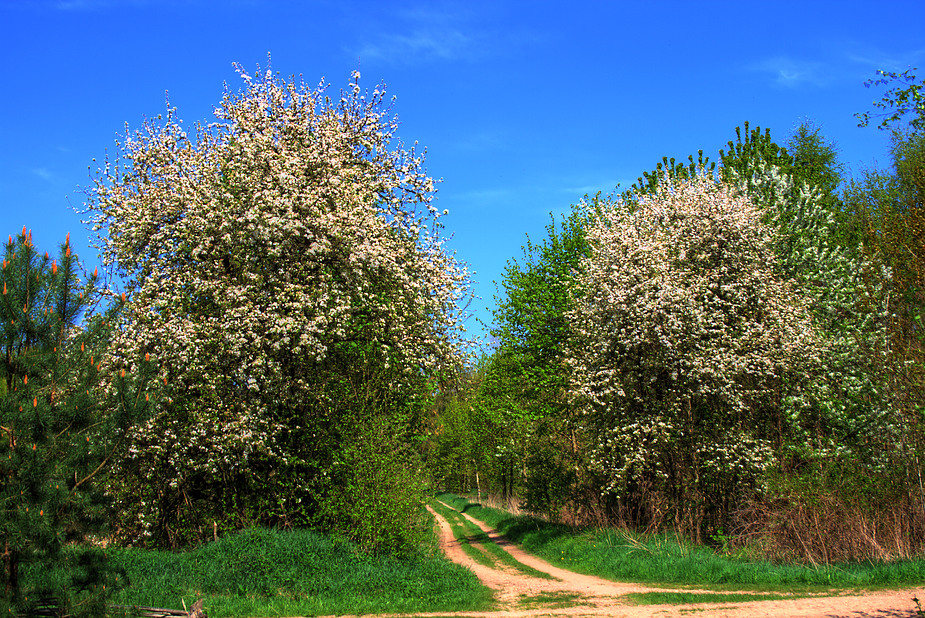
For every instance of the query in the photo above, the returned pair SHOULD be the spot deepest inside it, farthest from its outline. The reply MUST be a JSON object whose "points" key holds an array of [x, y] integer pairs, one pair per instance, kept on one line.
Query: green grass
{"points": [[548, 600], [691, 598], [300, 573], [666, 560], [470, 537], [469, 534]]}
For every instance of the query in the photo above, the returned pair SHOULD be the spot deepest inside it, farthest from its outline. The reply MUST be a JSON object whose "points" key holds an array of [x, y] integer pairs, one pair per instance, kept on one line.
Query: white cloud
{"points": [[791, 73], [43, 173], [897, 62], [427, 33], [421, 44]]}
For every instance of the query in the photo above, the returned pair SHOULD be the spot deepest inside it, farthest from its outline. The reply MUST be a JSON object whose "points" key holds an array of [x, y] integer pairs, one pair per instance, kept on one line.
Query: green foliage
{"points": [[482, 430], [649, 182], [556, 469], [906, 97], [814, 161], [808, 159], [751, 151], [486, 432], [887, 210], [465, 433], [374, 491], [530, 321], [844, 408], [526, 381], [64, 415]]}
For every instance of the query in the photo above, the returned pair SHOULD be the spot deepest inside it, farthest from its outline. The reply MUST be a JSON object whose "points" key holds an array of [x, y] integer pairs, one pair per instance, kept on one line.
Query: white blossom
{"points": [[685, 341], [253, 250]]}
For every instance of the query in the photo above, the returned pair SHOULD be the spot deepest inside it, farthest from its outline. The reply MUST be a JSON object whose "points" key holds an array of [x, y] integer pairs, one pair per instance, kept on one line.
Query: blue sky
{"points": [[523, 107]]}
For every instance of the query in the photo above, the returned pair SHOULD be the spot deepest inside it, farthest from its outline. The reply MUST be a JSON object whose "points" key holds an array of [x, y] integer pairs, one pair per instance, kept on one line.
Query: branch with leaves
{"points": [[906, 97]]}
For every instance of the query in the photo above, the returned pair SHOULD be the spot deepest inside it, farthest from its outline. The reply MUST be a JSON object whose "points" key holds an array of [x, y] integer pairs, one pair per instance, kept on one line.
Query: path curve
{"points": [[601, 597]]}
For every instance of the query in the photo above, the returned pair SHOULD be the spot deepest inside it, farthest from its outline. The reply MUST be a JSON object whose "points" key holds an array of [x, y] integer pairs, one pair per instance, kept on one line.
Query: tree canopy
{"points": [[285, 269]]}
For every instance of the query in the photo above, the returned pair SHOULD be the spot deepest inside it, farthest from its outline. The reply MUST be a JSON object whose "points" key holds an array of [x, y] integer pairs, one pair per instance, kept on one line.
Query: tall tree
{"points": [[285, 267], [525, 381], [888, 208], [530, 321], [814, 160]]}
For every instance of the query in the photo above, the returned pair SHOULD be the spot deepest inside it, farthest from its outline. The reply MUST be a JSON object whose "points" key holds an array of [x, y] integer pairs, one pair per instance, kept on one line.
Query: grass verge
{"points": [[691, 598], [664, 559], [547, 600], [263, 572]]}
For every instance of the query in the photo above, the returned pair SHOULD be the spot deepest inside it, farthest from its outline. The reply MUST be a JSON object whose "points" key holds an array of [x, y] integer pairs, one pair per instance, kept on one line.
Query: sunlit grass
{"points": [[665, 559], [549, 599], [691, 598], [263, 572]]}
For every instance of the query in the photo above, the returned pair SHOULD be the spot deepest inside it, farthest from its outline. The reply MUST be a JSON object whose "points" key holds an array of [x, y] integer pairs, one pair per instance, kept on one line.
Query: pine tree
{"points": [[62, 415]]}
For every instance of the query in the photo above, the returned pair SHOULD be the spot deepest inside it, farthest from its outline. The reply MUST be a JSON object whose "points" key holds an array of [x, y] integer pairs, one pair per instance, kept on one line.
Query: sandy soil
{"points": [[599, 597]]}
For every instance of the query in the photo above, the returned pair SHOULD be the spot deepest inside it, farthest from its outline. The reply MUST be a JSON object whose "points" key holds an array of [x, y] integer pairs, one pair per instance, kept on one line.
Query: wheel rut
{"points": [[568, 593]]}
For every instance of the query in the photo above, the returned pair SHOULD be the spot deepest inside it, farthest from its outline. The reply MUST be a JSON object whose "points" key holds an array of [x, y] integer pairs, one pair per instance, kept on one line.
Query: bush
{"points": [[375, 492], [687, 348]]}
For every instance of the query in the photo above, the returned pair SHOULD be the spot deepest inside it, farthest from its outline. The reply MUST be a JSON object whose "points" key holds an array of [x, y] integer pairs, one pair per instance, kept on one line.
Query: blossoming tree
{"points": [[284, 267], [686, 343]]}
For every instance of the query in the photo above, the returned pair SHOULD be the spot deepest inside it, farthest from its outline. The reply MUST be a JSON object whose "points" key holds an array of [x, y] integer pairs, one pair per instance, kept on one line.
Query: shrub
{"points": [[687, 346]]}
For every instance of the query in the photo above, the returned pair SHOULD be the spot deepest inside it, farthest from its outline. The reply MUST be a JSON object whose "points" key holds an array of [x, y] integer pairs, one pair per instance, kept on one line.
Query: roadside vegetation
{"points": [[665, 558], [730, 352], [263, 572]]}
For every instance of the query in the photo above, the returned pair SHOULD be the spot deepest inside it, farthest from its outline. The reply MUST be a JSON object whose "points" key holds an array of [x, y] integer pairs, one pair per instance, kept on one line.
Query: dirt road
{"points": [[572, 594]]}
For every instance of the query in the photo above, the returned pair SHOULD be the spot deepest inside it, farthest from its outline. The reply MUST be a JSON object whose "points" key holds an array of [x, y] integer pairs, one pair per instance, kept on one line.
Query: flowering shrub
{"points": [[849, 306], [284, 267], [686, 344]]}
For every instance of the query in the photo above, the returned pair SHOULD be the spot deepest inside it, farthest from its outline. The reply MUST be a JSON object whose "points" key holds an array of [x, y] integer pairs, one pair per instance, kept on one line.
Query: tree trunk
{"points": [[11, 570]]}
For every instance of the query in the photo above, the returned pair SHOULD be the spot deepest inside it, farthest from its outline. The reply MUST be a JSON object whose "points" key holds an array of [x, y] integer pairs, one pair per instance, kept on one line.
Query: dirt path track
{"points": [[600, 597]]}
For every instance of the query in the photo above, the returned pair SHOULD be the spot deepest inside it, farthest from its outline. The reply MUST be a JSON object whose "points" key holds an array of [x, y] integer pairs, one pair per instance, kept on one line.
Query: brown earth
{"points": [[573, 594]]}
